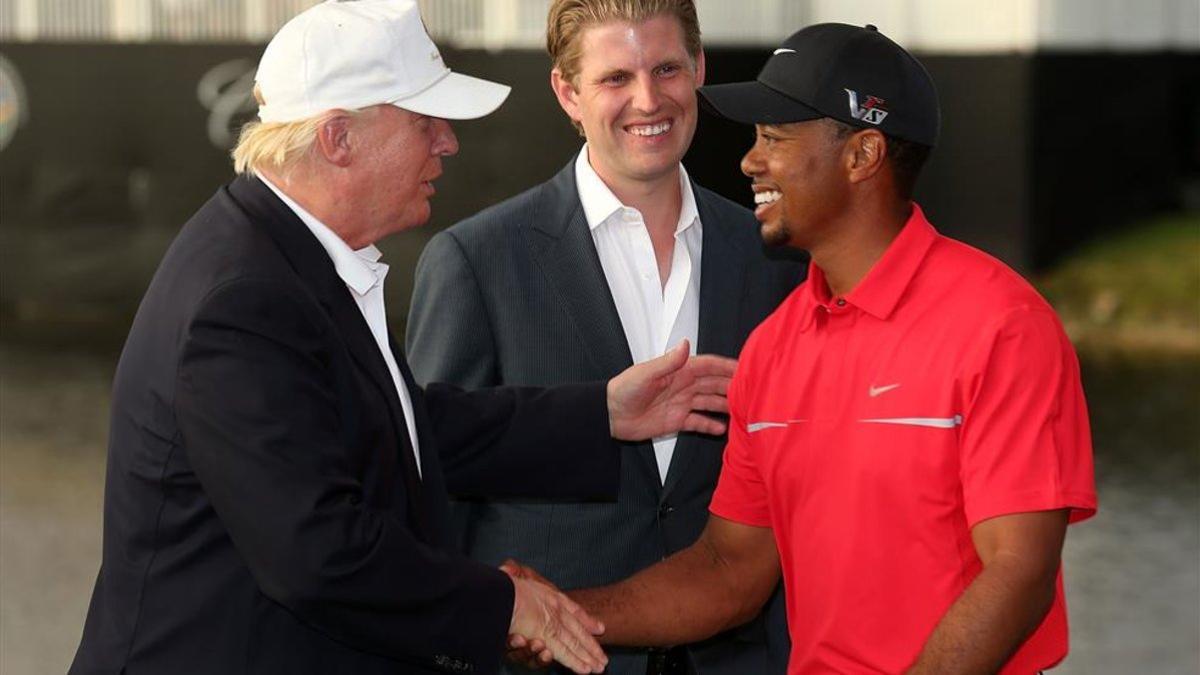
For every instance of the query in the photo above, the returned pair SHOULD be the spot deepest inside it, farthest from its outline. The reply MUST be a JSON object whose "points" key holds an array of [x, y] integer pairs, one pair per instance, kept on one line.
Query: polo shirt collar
{"points": [[599, 203], [360, 270], [881, 289]]}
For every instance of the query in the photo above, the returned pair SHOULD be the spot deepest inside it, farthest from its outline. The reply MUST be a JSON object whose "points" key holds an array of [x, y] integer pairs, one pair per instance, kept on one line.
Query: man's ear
{"points": [[566, 94], [700, 68], [333, 139], [866, 155]]}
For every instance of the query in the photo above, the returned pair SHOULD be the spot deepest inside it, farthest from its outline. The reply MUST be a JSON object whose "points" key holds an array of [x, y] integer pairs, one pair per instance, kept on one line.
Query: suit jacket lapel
{"points": [[721, 287], [317, 270], [562, 244], [434, 517], [722, 262]]}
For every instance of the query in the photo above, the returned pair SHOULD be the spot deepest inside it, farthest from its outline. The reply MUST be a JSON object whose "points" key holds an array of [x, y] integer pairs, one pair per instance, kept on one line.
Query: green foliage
{"points": [[1137, 290]]}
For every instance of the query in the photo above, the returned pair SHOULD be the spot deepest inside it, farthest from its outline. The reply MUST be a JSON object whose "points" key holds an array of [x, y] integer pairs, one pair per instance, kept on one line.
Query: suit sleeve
{"points": [[499, 442], [509, 441], [258, 415]]}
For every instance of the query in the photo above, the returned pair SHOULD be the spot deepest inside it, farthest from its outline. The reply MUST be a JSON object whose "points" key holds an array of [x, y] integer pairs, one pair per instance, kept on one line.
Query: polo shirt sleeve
{"points": [[741, 494], [1025, 442]]}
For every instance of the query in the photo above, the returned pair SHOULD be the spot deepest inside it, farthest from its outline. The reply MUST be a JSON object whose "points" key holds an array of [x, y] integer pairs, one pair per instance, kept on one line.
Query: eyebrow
{"points": [[604, 75], [625, 71]]}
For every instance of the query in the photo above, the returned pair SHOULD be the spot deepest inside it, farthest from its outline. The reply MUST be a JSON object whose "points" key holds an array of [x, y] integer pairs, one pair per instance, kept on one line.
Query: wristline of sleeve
{"points": [[1082, 504], [745, 516]]}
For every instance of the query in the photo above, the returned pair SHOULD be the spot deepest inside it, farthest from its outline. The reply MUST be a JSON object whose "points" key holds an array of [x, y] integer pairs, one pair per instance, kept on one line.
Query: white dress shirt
{"points": [[655, 316], [364, 275]]}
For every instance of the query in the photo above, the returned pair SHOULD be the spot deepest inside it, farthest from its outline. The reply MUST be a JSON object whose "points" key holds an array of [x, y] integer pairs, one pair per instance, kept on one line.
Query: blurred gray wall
{"points": [[110, 147]]}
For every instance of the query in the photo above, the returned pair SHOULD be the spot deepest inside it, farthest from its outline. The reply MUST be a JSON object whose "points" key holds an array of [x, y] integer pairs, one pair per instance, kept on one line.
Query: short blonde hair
{"points": [[275, 146], [568, 19]]}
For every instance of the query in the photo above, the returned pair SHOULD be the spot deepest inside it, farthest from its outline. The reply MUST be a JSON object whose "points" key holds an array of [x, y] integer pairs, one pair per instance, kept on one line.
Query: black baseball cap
{"points": [[853, 74]]}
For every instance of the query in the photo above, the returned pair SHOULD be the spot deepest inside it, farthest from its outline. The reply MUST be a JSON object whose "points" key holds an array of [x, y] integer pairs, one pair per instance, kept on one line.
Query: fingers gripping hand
{"points": [[531, 654], [541, 613]]}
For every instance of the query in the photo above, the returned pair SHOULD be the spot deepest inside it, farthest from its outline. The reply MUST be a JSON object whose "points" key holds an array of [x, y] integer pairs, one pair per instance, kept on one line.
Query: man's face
{"points": [[635, 96], [398, 159], [799, 180]]}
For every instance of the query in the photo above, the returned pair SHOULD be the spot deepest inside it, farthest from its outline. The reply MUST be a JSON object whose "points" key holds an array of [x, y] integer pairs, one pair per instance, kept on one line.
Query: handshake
{"points": [[547, 625], [649, 399]]}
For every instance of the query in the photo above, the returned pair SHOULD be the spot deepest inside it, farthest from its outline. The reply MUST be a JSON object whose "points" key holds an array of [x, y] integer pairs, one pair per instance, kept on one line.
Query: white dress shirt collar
{"points": [[599, 202], [360, 269]]}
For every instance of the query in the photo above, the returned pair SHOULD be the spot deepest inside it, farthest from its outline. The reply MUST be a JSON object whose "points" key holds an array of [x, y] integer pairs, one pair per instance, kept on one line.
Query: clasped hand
{"points": [[655, 398], [548, 626]]}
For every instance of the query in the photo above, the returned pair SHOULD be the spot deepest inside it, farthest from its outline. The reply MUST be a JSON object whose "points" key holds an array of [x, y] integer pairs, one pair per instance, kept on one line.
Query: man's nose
{"points": [[751, 164], [646, 96], [445, 143]]}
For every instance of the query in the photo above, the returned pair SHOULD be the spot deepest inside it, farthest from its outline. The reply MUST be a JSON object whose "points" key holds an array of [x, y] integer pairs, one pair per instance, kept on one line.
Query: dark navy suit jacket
{"points": [[263, 511]]}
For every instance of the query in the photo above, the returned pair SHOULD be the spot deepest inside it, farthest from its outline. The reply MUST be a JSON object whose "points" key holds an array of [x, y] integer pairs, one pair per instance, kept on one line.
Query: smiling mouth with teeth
{"points": [[767, 197], [650, 129]]}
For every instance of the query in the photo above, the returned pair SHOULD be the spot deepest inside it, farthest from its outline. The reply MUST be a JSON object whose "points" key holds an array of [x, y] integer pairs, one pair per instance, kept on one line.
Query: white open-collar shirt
{"points": [[363, 274], [654, 316]]}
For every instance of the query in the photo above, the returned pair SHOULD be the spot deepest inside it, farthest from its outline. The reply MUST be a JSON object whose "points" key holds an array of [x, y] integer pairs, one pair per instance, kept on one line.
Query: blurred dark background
{"points": [[1040, 154]]}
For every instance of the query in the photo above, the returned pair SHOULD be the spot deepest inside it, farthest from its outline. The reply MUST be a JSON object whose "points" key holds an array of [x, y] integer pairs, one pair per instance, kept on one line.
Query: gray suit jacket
{"points": [[516, 295]]}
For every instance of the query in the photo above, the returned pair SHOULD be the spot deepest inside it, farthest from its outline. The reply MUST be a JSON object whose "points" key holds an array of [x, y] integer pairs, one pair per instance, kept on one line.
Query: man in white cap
{"points": [[275, 498]]}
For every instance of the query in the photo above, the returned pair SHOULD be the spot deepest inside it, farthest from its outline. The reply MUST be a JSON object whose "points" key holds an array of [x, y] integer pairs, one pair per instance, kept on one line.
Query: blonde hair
{"points": [[568, 19], [276, 146]]}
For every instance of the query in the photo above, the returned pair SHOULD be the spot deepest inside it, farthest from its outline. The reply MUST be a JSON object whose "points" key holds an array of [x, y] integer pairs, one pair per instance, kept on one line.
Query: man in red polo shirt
{"points": [[908, 437]]}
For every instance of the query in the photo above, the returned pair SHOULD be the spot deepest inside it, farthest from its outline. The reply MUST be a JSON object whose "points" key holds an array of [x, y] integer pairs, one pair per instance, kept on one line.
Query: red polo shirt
{"points": [[872, 432]]}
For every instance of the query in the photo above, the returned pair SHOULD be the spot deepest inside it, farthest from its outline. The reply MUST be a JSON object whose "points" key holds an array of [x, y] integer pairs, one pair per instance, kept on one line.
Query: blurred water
{"points": [[1132, 572]]}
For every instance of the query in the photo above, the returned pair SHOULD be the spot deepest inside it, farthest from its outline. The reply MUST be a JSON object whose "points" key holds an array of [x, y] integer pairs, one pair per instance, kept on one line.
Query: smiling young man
{"points": [[908, 436], [609, 263]]}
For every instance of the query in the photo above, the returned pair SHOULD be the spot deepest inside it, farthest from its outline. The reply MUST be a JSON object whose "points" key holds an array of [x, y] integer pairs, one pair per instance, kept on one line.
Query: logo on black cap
{"points": [[871, 112], [820, 68]]}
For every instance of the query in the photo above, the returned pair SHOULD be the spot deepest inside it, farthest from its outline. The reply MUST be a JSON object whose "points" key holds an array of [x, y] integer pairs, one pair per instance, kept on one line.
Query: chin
{"points": [[775, 234], [413, 220], [656, 166]]}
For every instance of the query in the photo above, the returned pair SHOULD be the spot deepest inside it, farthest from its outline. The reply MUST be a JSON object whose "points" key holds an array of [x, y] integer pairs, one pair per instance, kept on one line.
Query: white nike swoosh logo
{"points": [[935, 422], [874, 391], [759, 426], [783, 50]]}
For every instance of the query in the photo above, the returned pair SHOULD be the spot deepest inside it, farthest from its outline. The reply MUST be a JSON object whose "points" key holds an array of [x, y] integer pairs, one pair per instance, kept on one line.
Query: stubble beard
{"points": [[775, 234]]}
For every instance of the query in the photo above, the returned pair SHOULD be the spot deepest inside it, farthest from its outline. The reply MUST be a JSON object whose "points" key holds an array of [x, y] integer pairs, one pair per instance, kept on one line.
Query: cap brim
{"points": [[457, 97], [754, 103]]}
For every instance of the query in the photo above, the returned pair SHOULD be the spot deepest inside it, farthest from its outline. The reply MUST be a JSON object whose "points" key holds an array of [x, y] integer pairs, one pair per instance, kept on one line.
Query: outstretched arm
{"points": [[717, 583], [507, 441]]}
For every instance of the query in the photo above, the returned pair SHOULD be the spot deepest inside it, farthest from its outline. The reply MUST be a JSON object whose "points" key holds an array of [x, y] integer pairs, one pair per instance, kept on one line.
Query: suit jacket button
{"points": [[665, 510]]}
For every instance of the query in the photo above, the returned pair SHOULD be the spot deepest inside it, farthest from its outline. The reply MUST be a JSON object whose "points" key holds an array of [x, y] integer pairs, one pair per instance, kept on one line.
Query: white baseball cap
{"points": [[358, 53]]}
